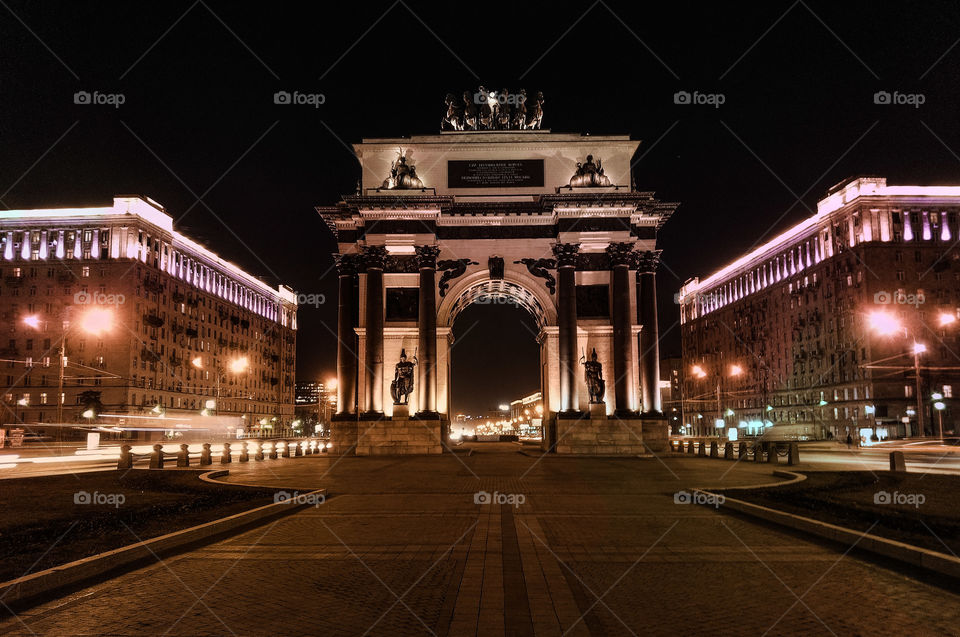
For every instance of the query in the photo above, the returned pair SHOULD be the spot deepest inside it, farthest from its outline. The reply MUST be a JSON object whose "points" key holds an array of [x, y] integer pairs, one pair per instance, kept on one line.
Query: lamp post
{"points": [[94, 321]]}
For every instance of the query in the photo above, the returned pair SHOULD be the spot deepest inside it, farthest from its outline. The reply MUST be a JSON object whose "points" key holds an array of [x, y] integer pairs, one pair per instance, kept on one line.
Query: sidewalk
{"points": [[564, 546]]}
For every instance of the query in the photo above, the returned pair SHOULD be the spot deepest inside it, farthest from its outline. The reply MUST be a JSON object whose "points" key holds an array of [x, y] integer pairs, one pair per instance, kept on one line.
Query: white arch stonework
{"points": [[579, 259]]}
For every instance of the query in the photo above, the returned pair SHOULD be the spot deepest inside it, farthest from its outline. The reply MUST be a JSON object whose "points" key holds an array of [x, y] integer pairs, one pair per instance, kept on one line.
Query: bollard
{"points": [[794, 456], [225, 455], [126, 458], [897, 461], [728, 451], [701, 448], [259, 454], [244, 453], [183, 456], [772, 453], [714, 446], [742, 449], [691, 447], [156, 458], [324, 447], [205, 456], [758, 451], [286, 449], [273, 451], [297, 451], [306, 447]]}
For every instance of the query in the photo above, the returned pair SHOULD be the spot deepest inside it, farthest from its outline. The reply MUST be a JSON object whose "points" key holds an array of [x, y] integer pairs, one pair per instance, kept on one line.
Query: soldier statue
{"points": [[402, 385], [593, 375]]}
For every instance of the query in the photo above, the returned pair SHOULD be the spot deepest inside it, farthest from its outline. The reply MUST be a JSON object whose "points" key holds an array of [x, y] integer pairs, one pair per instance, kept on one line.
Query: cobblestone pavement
{"points": [[586, 547]]}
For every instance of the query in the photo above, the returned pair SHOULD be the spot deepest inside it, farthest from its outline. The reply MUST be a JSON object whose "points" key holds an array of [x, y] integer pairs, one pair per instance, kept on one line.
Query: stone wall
{"points": [[612, 436]]}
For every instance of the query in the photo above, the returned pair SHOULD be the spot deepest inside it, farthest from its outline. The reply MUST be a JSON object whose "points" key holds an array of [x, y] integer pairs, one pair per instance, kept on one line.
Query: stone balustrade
{"points": [[754, 450], [158, 458]]}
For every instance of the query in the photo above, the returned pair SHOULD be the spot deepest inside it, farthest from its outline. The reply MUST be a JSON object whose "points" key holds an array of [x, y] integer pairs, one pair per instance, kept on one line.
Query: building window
{"points": [[85, 271], [908, 391], [901, 275]]}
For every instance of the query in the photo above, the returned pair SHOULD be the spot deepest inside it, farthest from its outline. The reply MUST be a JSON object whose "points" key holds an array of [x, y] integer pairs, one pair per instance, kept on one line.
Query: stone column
{"points": [[427, 330], [346, 336], [649, 333], [566, 254], [373, 260], [621, 258]]}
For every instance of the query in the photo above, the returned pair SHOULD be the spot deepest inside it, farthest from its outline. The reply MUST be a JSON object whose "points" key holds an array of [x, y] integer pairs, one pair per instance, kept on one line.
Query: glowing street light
{"points": [[736, 370], [884, 323], [97, 321], [197, 362], [239, 365], [32, 321], [698, 371], [946, 318], [332, 383]]}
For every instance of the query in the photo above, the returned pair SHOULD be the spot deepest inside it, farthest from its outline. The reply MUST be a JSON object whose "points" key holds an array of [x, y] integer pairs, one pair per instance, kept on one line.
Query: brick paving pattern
{"points": [[598, 548]]}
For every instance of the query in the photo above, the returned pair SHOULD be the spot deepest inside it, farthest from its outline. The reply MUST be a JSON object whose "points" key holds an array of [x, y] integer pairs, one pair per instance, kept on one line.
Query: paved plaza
{"points": [[569, 546]]}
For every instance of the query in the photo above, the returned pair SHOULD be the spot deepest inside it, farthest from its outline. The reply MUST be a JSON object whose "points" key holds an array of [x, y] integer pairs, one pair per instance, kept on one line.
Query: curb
{"points": [[940, 563], [134, 555]]}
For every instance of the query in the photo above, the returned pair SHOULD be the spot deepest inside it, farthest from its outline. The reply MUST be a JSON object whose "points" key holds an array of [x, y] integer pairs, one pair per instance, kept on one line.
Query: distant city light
{"points": [[197, 362], [939, 405], [33, 321], [735, 370], [239, 365], [332, 383], [504, 407], [946, 318], [698, 371], [919, 348]]}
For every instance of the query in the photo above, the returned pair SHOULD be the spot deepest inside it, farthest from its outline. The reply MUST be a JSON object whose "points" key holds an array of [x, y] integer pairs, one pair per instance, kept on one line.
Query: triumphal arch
{"points": [[549, 221]]}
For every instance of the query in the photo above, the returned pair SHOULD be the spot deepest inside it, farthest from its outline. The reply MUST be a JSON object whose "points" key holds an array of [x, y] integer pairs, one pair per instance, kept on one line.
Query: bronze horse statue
{"points": [[453, 120], [469, 112]]}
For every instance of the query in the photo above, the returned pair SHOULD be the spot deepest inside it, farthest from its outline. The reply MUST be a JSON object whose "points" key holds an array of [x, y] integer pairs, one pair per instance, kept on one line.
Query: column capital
{"points": [[566, 253], [347, 264], [647, 261], [373, 256], [622, 254], [426, 256]]}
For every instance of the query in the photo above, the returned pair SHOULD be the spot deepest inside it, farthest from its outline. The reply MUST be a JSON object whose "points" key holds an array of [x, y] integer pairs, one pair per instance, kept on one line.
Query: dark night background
{"points": [[199, 120]]}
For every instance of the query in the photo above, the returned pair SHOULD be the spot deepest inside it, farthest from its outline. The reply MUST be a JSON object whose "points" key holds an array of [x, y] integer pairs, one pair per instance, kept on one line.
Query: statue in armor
{"points": [[589, 175], [593, 375], [402, 385], [403, 176]]}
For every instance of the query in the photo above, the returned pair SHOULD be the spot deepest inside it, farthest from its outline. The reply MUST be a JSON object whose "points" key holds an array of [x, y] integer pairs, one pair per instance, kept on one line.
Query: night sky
{"points": [[200, 133]]}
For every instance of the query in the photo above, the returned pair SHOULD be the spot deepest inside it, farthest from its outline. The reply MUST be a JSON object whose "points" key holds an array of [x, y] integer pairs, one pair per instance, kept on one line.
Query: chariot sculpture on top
{"points": [[492, 110]]}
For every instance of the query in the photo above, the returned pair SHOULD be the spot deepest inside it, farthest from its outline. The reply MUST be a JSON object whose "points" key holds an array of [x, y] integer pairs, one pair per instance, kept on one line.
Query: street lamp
{"points": [[95, 321], [946, 318]]}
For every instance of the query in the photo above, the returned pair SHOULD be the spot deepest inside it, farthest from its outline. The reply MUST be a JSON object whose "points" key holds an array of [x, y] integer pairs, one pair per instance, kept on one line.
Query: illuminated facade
{"points": [[517, 216], [154, 324], [814, 332]]}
